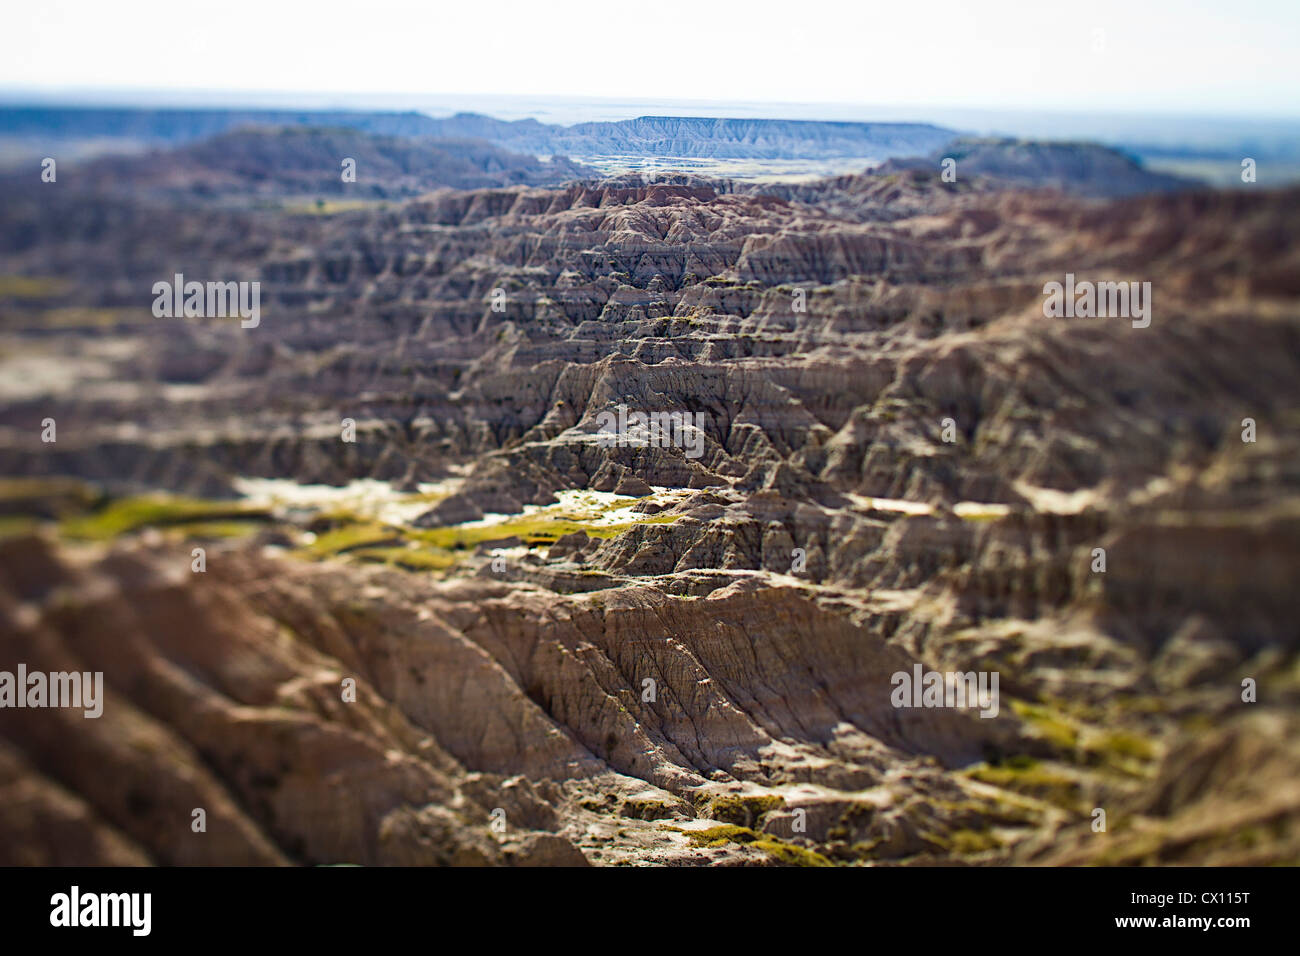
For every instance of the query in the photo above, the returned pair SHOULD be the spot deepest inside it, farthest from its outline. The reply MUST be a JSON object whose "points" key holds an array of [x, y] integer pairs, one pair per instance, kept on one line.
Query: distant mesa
{"points": [[1083, 169], [678, 136], [298, 161]]}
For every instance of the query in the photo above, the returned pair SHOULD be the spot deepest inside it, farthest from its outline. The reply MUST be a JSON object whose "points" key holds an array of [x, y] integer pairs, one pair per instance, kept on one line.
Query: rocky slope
{"points": [[893, 458]]}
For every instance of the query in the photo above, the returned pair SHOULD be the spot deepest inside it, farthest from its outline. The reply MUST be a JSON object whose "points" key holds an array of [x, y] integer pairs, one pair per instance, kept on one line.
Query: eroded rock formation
{"points": [[901, 461]]}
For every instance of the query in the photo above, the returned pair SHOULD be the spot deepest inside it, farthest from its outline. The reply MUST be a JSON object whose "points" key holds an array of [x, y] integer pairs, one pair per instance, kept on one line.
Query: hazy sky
{"points": [[1231, 58]]}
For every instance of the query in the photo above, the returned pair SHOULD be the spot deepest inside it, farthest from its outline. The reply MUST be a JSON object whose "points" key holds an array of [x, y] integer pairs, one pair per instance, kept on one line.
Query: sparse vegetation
{"points": [[789, 854], [32, 287], [131, 514], [743, 809], [1027, 776], [1051, 726]]}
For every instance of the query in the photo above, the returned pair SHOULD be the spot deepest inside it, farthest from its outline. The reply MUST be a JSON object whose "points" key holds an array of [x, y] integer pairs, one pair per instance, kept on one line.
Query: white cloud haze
{"points": [[1192, 56]]}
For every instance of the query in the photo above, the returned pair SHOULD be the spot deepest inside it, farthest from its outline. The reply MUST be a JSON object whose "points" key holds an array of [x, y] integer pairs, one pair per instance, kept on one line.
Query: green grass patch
{"points": [[743, 809], [779, 850], [1129, 745], [648, 808], [32, 287], [720, 836], [532, 530], [790, 854], [1027, 776], [328, 207], [412, 559], [1121, 751], [221, 529], [972, 842], [353, 536], [1051, 726], [46, 497], [79, 317], [130, 514]]}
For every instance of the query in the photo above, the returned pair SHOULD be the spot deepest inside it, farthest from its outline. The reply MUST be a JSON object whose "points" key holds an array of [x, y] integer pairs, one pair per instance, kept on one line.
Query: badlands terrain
{"points": [[367, 585]]}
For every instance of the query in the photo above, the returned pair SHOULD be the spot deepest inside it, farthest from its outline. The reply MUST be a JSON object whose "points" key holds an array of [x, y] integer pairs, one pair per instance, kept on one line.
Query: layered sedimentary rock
{"points": [[886, 455]]}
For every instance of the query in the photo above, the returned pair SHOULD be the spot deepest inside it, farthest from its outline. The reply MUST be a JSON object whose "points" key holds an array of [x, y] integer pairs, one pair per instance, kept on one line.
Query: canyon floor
{"points": [[368, 584]]}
